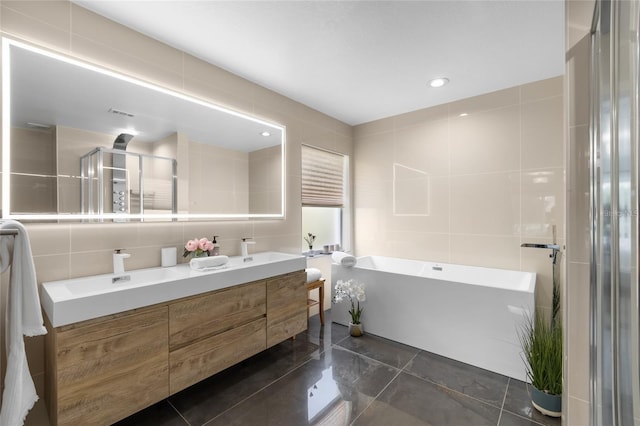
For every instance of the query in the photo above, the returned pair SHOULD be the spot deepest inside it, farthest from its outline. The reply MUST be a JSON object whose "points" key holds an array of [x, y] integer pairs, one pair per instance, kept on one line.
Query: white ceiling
{"points": [[359, 61]]}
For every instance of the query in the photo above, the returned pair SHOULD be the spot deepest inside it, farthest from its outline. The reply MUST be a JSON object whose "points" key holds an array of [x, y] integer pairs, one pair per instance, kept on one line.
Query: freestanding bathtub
{"points": [[470, 314]]}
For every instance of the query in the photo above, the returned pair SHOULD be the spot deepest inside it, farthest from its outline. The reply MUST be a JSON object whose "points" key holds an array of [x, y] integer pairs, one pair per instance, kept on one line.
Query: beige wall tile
{"points": [[48, 239], [89, 237], [416, 245], [422, 116], [52, 267], [485, 250], [373, 155], [16, 24], [542, 145], [543, 202], [344, 130], [196, 69], [124, 63], [578, 84], [377, 126], [487, 204], [489, 101], [218, 96], [541, 89], [424, 147], [161, 234], [293, 224], [439, 214], [91, 26], [372, 204], [486, 141], [578, 204], [578, 302], [91, 263], [54, 13]]}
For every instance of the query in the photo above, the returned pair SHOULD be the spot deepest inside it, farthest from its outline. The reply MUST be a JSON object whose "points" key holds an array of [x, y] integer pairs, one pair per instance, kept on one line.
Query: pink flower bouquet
{"points": [[198, 247]]}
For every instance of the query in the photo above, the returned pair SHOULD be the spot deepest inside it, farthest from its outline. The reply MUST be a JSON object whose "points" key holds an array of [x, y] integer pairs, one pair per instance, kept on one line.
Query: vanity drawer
{"points": [[195, 362], [286, 307], [213, 313], [109, 369]]}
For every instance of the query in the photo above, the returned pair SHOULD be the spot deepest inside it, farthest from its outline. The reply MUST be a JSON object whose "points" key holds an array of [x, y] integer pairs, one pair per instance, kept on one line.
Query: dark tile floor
{"points": [[326, 377]]}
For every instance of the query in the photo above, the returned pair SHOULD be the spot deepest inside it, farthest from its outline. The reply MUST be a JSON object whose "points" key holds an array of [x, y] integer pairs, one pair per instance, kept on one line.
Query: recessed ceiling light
{"points": [[438, 82], [464, 114], [265, 133]]}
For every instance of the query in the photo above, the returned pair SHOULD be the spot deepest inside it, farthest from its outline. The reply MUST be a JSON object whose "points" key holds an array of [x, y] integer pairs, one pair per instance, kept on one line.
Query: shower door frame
{"points": [[614, 147], [88, 174]]}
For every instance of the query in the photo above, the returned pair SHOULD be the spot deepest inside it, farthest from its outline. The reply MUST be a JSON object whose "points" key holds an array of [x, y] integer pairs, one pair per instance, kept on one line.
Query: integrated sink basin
{"points": [[79, 299]]}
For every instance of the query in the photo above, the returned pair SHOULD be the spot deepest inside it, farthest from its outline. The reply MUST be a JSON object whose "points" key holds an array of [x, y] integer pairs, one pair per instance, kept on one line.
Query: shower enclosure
{"points": [[615, 368], [121, 182]]}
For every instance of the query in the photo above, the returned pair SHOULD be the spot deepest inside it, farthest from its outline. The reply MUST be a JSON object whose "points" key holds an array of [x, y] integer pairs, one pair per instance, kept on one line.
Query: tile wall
{"points": [[493, 170]]}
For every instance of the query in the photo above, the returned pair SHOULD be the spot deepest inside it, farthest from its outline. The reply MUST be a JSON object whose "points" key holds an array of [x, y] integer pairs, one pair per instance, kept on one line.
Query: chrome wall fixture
{"points": [[615, 368]]}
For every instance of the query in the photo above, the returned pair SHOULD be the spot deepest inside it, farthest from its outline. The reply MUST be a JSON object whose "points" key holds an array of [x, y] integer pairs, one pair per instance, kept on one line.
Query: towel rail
{"points": [[8, 232]]}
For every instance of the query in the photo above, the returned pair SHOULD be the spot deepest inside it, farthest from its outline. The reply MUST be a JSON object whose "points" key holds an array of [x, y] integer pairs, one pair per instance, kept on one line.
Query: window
{"points": [[324, 197]]}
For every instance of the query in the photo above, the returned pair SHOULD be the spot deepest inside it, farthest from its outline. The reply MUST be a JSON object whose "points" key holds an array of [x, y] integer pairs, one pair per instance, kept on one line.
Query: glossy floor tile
{"points": [[326, 377]]}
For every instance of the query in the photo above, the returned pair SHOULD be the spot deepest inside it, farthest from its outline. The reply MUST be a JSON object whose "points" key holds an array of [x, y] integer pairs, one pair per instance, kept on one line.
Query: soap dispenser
{"points": [[216, 247]]}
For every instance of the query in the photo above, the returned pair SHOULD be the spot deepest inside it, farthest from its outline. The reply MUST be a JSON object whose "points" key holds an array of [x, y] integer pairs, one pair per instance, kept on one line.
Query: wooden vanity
{"points": [[102, 370]]}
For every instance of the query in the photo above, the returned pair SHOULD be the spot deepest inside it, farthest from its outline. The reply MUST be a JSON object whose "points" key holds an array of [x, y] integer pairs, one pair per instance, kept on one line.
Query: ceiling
{"points": [[359, 61]]}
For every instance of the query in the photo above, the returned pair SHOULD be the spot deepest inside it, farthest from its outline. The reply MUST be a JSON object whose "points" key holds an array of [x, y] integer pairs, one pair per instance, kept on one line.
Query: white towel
{"points": [[313, 274], [344, 259], [208, 263], [23, 317]]}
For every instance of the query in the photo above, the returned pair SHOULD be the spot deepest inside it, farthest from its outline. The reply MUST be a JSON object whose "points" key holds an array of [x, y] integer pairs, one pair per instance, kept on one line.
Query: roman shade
{"points": [[322, 178]]}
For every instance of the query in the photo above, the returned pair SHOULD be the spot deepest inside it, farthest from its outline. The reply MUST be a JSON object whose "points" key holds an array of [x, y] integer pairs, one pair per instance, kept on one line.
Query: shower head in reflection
{"points": [[122, 141]]}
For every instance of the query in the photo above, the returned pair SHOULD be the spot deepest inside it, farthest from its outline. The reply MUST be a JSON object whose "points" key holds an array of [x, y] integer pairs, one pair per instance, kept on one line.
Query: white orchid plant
{"points": [[354, 292]]}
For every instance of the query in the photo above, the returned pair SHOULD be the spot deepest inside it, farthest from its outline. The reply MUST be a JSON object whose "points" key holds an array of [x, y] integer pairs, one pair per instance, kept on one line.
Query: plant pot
{"points": [[547, 404], [356, 330]]}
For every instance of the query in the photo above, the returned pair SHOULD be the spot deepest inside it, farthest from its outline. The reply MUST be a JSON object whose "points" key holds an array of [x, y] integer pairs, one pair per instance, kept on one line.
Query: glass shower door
{"points": [[615, 369]]}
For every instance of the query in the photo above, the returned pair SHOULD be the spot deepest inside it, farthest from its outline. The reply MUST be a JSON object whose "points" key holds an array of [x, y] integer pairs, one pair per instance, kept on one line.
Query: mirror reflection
{"points": [[88, 143]]}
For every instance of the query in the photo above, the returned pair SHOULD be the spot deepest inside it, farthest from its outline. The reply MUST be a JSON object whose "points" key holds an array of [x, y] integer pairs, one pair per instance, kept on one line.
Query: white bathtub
{"points": [[466, 313]]}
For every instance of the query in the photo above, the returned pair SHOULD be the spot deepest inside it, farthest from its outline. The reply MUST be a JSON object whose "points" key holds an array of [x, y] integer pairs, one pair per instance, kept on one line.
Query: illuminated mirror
{"points": [[85, 143]]}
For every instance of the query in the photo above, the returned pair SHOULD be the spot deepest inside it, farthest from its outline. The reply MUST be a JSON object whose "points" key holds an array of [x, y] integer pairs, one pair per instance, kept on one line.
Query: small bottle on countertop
{"points": [[216, 247]]}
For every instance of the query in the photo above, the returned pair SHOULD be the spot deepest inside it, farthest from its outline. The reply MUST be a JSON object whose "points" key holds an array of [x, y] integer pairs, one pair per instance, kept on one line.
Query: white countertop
{"points": [[79, 299]]}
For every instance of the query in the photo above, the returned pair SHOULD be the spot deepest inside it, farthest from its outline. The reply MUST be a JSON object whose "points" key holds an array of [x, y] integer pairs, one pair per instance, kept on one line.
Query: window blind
{"points": [[322, 178]]}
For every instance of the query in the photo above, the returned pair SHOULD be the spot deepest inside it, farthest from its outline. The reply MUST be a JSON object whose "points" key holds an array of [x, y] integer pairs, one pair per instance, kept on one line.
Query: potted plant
{"points": [[541, 341], [353, 291], [310, 238]]}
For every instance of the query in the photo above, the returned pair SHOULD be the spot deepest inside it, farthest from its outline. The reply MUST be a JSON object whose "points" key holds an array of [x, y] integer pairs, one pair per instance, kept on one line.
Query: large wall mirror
{"points": [[88, 144]]}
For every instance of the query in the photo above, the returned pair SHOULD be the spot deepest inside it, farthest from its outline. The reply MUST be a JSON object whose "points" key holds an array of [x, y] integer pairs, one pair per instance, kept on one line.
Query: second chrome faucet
{"points": [[244, 249]]}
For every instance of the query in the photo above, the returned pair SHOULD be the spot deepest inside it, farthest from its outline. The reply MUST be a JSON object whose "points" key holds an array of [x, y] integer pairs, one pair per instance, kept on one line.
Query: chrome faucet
{"points": [[118, 261], [555, 259], [244, 249], [555, 247]]}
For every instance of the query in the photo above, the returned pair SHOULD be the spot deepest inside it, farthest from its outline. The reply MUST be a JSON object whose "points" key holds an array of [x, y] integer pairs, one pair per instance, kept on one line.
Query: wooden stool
{"points": [[312, 302]]}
